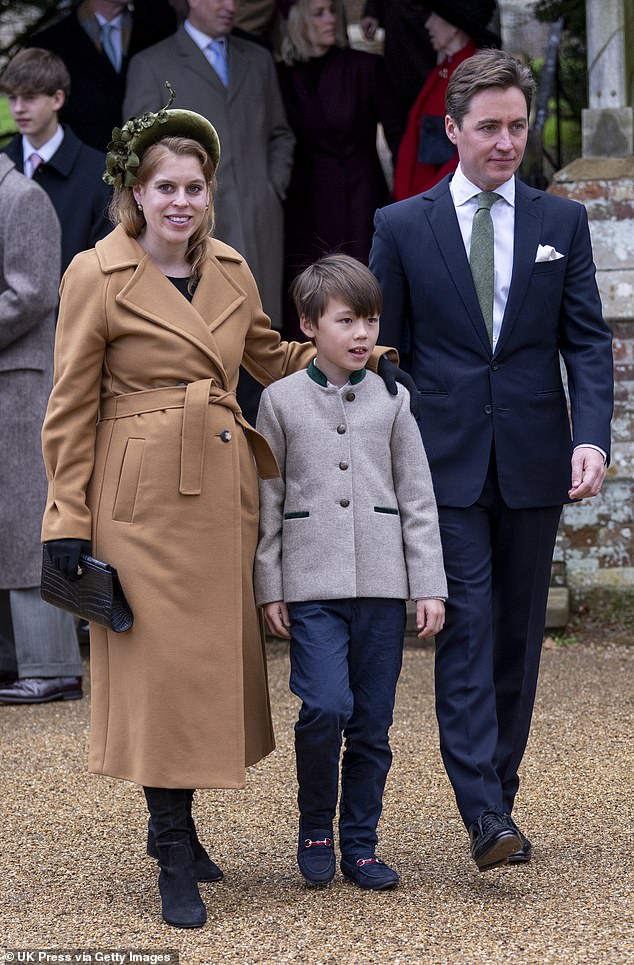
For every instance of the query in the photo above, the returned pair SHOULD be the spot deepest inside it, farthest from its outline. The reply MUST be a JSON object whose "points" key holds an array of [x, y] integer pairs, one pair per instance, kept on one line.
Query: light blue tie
{"points": [[218, 58], [481, 256], [110, 49]]}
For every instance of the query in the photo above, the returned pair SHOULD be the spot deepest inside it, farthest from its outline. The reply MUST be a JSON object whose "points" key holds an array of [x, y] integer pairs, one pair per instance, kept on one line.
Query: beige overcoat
{"points": [[148, 457]]}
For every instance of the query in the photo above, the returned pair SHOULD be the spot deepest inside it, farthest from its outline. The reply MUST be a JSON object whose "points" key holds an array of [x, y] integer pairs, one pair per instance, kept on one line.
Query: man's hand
{"points": [[369, 26], [276, 616], [588, 472], [430, 617]]}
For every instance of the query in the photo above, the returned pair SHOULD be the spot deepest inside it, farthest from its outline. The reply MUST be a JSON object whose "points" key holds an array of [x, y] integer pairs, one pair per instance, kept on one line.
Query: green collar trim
{"points": [[318, 376]]}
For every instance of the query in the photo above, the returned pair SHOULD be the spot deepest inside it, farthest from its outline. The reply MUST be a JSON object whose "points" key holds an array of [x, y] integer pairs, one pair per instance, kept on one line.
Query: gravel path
{"points": [[73, 873]]}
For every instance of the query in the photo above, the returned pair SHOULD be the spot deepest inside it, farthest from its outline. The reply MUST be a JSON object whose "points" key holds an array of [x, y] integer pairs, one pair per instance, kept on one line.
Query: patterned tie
{"points": [[109, 47], [34, 160], [481, 256], [218, 58]]}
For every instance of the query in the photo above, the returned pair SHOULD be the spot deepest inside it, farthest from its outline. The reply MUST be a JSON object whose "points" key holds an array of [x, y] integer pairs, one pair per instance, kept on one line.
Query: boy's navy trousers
{"points": [[346, 657]]}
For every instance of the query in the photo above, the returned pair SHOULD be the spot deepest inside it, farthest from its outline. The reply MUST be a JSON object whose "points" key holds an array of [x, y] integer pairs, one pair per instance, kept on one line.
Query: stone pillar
{"points": [[608, 123]]}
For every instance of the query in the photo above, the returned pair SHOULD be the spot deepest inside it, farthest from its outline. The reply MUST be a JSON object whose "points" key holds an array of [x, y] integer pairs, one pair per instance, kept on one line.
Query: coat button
{"points": [[488, 409], [344, 502], [225, 435], [494, 366], [343, 465], [350, 396], [341, 429]]}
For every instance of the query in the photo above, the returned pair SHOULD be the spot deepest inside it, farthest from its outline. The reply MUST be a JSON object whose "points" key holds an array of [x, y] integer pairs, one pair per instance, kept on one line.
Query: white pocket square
{"points": [[547, 253]]}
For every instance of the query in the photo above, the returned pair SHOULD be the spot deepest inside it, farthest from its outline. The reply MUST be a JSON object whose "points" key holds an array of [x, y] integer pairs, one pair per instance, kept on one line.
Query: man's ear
{"points": [[59, 99], [306, 326], [450, 128]]}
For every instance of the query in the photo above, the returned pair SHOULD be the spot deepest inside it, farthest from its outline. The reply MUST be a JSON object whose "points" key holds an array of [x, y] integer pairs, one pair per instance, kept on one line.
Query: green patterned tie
{"points": [[481, 256]]}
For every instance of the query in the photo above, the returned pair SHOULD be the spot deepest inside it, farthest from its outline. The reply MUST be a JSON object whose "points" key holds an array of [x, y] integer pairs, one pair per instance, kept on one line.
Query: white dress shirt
{"points": [[464, 195], [46, 151]]}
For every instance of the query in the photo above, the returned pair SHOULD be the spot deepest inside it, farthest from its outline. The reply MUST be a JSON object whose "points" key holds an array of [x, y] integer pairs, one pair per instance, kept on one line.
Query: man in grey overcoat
{"points": [[38, 643], [233, 83]]}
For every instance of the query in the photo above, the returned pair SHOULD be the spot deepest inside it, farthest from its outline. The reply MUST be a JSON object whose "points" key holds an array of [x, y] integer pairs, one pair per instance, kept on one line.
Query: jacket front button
{"points": [[350, 396], [343, 465], [488, 409], [225, 435], [344, 502], [341, 429]]}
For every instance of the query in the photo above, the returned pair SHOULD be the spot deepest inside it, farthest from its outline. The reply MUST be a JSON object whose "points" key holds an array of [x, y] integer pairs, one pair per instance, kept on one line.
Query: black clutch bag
{"points": [[96, 596]]}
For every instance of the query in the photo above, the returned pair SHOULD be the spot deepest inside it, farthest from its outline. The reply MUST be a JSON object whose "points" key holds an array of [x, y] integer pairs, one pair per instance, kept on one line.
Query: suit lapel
{"points": [[195, 61], [239, 66], [444, 224], [526, 235]]}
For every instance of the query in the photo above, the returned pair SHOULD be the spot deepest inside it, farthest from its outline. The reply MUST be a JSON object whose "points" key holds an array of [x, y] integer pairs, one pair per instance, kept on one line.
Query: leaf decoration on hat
{"points": [[122, 160]]}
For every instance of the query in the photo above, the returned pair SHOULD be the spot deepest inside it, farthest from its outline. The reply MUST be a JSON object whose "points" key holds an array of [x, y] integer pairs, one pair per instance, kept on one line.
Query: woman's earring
{"points": [[139, 206]]}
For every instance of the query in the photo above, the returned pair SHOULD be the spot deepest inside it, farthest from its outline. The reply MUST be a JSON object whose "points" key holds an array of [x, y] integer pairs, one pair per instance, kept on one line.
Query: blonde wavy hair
{"points": [[124, 210], [296, 44]]}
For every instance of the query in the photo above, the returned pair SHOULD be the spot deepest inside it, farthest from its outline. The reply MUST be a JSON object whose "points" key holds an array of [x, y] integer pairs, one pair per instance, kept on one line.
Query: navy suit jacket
{"points": [[513, 400], [72, 180]]}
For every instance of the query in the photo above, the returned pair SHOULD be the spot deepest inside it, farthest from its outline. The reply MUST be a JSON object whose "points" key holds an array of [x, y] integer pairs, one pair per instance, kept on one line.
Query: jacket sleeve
{"points": [[68, 434], [417, 507], [268, 579], [31, 241], [385, 263], [281, 141]]}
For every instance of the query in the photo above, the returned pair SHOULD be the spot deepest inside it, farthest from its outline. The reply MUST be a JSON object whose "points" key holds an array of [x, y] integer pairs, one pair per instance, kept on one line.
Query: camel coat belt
{"points": [[194, 399]]}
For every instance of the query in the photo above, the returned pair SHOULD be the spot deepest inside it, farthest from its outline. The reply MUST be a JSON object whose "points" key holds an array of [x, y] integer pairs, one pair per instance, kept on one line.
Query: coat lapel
{"points": [[527, 232], [239, 66], [444, 224], [193, 59]]}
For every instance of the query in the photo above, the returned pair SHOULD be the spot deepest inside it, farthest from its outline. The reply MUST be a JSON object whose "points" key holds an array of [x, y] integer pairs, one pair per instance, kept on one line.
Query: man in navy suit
{"points": [[503, 451]]}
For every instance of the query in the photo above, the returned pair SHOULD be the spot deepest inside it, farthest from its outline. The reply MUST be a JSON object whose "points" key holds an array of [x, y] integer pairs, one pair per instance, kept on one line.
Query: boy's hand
{"points": [[276, 616], [430, 617]]}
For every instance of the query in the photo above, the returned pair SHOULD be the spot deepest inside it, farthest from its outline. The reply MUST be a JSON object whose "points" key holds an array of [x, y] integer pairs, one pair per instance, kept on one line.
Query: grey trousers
{"points": [[36, 639]]}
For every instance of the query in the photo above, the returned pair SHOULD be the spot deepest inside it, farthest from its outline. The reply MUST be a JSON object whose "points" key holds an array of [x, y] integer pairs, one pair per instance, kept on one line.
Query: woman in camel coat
{"points": [[152, 466]]}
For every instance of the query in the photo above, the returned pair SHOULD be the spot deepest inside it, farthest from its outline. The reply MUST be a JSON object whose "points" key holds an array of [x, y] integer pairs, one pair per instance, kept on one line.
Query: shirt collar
{"points": [[318, 376], [200, 39], [46, 151], [116, 22], [463, 190]]}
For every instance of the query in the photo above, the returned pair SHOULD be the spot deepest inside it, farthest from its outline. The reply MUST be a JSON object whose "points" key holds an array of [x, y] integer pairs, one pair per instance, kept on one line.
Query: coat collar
{"points": [[193, 59], [150, 294]]}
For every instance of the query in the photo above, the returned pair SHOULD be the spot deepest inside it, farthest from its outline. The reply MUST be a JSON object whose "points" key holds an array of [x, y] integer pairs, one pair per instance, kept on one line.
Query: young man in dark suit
{"points": [[490, 283], [37, 84]]}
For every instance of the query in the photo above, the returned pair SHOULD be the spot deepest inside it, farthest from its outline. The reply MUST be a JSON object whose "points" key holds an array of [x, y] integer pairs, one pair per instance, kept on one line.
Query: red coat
{"points": [[411, 176]]}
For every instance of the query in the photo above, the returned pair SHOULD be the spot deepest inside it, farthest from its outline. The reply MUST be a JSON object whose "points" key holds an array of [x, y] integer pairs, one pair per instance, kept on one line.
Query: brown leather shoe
{"points": [[39, 690]]}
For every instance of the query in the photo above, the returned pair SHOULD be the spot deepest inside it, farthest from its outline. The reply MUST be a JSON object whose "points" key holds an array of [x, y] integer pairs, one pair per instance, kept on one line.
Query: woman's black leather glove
{"points": [[65, 555], [391, 374]]}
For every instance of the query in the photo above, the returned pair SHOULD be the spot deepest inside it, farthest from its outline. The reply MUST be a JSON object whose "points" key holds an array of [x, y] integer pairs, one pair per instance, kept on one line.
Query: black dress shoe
{"points": [[39, 690], [523, 856], [493, 839], [369, 872], [316, 855]]}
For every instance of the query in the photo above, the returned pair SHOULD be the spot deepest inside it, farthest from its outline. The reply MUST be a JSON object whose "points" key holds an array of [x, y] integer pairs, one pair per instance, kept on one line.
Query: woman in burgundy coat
{"points": [[334, 99]]}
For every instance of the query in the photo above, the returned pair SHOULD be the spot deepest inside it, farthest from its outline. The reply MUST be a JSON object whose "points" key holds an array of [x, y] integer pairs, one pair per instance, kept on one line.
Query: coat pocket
{"points": [[296, 515], [387, 510], [124, 501]]}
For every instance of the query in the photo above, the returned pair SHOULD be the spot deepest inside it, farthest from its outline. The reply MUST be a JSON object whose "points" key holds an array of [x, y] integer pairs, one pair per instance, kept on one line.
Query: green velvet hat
{"points": [[130, 142]]}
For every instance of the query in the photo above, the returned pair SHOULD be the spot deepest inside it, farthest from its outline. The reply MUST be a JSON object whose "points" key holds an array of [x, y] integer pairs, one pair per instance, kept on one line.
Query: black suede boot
{"points": [[205, 869], [182, 904]]}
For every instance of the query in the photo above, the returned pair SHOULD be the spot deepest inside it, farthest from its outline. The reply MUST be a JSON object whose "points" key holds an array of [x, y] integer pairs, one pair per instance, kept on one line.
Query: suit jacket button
{"points": [[225, 435], [341, 429], [343, 465], [344, 502], [350, 396], [488, 409]]}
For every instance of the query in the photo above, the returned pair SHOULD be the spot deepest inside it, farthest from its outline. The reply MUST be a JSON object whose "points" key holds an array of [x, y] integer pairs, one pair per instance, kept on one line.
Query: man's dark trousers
{"points": [[346, 658], [487, 658]]}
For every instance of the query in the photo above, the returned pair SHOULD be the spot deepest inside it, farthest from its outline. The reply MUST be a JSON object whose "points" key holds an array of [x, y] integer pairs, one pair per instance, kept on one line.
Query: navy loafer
{"points": [[369, 872], [316, 855]]}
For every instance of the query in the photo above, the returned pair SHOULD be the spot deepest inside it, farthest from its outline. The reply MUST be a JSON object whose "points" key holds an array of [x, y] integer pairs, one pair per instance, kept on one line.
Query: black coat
{"points": [[72, 180], [96, 98], [409, 55]]}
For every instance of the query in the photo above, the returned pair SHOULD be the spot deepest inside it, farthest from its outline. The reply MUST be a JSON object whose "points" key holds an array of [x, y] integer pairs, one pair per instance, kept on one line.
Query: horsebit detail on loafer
{"points": [[323, 842], [363, 861]]}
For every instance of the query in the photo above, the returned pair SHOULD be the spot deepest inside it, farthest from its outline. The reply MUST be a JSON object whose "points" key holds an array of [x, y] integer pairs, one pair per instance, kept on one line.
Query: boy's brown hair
{"points": [[35, 71], [484, 70], [336, 276]]}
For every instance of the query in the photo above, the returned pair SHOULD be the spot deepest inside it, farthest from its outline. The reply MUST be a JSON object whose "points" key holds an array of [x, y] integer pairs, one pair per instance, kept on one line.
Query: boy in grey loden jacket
{"points": [[348, 533]]}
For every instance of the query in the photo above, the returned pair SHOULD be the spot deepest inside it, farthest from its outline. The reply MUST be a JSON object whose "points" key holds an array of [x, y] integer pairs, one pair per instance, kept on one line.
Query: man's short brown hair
{"points": [[35, 71], [484, 70], [336, 276]]}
